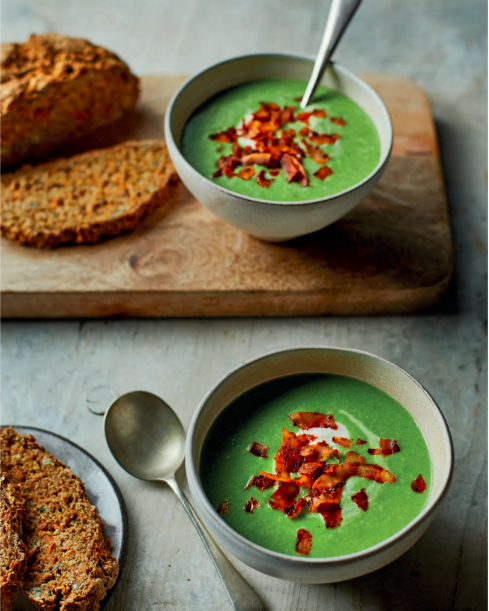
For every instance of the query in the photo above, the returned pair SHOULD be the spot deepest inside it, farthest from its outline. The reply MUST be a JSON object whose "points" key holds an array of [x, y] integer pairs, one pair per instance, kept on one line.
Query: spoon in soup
{"points": [[147, 439], [339, 17]]}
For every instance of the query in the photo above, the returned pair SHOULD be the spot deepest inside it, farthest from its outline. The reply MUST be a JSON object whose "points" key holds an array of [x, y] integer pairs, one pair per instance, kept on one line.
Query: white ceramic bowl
{"points": [[265, 219], [354, 363]]}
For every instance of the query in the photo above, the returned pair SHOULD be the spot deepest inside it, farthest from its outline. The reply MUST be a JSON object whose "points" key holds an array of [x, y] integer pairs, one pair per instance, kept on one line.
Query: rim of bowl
{"points": [[361, 554], [359, 81]]}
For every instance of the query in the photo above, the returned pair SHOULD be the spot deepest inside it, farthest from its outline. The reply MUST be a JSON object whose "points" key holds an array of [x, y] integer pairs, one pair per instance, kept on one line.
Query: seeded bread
{"points": [[56, 89], [12, 550], [69, 566], [85, 198]]}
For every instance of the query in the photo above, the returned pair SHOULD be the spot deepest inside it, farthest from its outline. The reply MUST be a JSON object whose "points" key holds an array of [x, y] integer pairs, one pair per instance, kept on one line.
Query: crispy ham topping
{"points": [[361, 499], [337, 120], [284, 497], [343, 442], [262, 180], [419, 485], [259, 481], [223, 507], [310, 420], [246, 173], [304, 542], [258, 449], [387, 446], [323, 172], [251, 505], [274, 145], [319, 451]]}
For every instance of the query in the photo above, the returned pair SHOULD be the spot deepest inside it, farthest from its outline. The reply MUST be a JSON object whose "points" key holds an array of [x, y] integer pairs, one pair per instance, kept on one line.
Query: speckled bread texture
{"points": [[69, 566], [87, 197], [12, 549], [56, 89]]}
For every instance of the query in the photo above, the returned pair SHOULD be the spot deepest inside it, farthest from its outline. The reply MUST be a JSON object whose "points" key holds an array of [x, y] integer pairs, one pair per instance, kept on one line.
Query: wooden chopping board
{"points": [[390, 255]]}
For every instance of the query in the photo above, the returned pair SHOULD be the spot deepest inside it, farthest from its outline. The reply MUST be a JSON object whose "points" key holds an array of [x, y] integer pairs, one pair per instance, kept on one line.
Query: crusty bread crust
{"points": [[69, 565], [87, 197], [56, 89], [12, 548]]}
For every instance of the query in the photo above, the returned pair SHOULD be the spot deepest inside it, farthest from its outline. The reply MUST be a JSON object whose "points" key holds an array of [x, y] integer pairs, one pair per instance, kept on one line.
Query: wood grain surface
{"points": [[390, 255]]}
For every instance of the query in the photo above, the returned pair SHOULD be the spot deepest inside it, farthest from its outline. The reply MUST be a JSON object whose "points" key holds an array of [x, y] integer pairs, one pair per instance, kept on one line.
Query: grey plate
{"points": [[101, 489]]}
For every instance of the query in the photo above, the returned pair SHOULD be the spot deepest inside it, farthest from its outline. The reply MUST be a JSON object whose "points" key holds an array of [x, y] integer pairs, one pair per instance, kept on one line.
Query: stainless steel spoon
{"points": [[147, 439], [339, 17]]}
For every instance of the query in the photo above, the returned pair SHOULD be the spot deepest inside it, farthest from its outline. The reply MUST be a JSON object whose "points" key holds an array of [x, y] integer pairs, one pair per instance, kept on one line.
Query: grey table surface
{"points": [[51, 369]]}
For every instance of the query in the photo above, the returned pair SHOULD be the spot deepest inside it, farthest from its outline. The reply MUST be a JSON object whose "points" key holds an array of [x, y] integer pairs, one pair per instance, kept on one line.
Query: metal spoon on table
{"points": [[339, 17], [147, 439]]}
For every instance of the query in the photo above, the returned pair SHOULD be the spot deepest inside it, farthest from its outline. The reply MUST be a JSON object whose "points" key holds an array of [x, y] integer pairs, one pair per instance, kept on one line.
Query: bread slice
{"points": [[56, 89], [85, 198], [12, 549], [69, 565]]}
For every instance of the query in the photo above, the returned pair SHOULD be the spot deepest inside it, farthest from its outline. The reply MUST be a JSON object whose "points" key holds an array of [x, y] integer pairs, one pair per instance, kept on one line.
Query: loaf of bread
{"points": [[12, 549], [69, 565], [56, 89], [87, 197]]}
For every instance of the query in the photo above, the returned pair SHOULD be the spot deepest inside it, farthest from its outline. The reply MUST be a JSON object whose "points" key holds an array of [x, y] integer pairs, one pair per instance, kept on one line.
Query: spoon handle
{"points": [[339, 17], [240, 593]]}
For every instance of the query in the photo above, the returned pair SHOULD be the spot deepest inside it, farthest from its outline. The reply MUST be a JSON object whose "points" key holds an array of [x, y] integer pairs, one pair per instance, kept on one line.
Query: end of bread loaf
{"points": [[56, 89]]}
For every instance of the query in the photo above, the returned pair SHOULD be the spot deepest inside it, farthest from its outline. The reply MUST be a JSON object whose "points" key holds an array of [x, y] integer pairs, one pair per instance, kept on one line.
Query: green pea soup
{"points": [[360, 411], [352, 157]]}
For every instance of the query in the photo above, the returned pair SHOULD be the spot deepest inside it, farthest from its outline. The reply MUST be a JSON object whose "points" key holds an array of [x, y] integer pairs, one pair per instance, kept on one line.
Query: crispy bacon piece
{"points": [[314, 469], [246, 173], [312, 420], [262, 181], [251, 505], [319, 112], [293, 169], [258, 449], [290, 450], [419, 485], [343, 442], [387, 447], [259, 481], [339, 473], [304, 542], [294, 511], [315, 153], [337, 120], [361, 442], [376, 473], [284, 497], [354, 458], [306, 480], [319, 452], [332, 516], [303, 117], [229, 135], [323, 172], [361, 499], [322, 501], [304, 438], [319, 138], [256, 159], [287, 115], [223, 507]]}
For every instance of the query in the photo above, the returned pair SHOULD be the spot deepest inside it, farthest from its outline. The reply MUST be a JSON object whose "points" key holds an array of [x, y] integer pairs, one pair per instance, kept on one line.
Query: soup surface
{"points": [[334, 141], [361, 413]]}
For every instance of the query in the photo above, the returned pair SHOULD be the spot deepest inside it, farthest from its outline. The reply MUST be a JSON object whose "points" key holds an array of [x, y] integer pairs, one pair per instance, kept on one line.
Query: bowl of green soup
{"points": [[247, 151], [318, 465]]}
